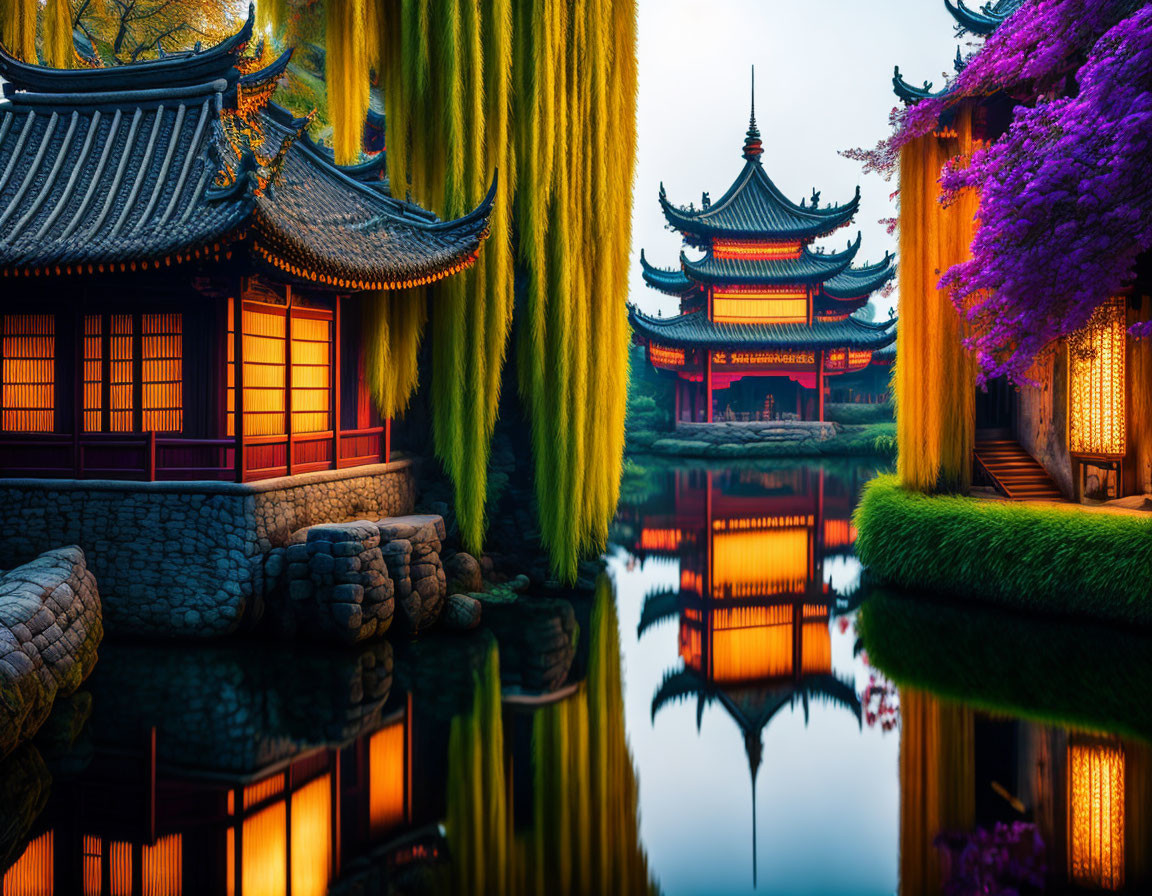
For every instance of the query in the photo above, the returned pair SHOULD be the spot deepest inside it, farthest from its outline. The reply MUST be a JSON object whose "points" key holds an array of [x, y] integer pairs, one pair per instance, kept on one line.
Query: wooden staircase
{"points": [[1014, 472]]}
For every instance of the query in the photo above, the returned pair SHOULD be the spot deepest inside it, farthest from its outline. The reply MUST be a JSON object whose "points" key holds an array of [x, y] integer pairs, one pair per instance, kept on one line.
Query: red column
{"points": [[708, 386], [820, 386]]}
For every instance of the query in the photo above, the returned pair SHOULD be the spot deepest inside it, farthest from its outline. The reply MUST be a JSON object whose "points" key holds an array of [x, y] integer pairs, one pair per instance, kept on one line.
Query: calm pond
{"points": [[719, 716]]}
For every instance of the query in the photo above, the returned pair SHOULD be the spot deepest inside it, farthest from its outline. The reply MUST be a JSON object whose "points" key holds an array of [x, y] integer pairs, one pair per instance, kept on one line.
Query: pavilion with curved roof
{"points": [[760, 303]]}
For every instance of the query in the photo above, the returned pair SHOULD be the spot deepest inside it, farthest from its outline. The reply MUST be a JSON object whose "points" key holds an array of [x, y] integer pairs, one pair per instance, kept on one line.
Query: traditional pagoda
{"points": [[183, 272], [761, 301]]}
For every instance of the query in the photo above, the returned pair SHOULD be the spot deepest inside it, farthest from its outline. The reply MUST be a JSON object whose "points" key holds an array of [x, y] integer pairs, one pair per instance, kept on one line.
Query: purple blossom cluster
{"points": [[1005, 861], [1065, 206], [1066, 191]]}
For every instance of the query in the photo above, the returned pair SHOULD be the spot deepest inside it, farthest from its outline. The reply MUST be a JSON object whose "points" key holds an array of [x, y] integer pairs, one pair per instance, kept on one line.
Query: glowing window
{"points": [[264, 372], [747, 564], [28, 374], [162, 372], [759, 308], [311, 373], [386, 778], [1096, 815], [32, 874], [1096, 418]]}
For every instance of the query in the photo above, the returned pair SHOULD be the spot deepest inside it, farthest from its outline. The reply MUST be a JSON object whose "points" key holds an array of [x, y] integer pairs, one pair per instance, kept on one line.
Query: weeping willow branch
{"points": [[346, 72], [393, 326], [934, 375], [475, 86], [18, 28]]}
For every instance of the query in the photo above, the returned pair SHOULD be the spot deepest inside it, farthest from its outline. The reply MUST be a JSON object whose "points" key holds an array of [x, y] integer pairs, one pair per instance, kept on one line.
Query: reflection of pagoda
{"points": [[753, 606]]}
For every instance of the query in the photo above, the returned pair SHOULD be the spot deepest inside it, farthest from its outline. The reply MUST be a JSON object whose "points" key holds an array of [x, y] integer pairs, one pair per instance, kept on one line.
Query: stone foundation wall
{"points": [[50, 626], [186, 559]]}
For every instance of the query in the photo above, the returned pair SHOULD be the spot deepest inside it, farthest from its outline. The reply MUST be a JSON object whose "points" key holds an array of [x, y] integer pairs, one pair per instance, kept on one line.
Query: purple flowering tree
{"points": [[1066, 191]]}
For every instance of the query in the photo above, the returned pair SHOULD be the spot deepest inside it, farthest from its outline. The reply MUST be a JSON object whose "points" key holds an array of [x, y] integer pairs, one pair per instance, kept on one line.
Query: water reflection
{"points": [[258, 771], [1023, 747], [761, 569]]}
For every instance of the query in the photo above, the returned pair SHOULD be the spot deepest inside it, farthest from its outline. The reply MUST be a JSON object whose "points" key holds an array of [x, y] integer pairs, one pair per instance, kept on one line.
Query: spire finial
{"points": [[753, 146]]}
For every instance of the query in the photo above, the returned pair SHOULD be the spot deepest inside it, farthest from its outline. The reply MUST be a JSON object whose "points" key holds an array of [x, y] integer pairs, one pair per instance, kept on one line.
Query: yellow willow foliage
{"points": [[346, 73], [937, 783], [1140, 401], [585, 837], [271, 16], [18, 28], [393, 325], [58, 51], [472, 87], [478, 824], [935, 374]]}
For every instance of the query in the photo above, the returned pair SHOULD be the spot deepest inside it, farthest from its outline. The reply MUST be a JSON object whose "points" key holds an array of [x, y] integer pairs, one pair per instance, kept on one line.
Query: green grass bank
{"points": [[1086, 675], [1062, 560]]}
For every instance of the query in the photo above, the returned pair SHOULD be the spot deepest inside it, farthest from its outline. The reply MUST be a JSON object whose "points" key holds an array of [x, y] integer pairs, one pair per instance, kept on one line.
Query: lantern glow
{"points": [[755, 250], [1096, 413]]}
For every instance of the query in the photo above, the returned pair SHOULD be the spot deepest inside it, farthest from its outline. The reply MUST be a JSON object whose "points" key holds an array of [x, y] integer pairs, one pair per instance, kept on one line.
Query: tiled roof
{"points": [[670, 281], [696, 330], [754, 207], [984, 20], [860, 282], [95, 172], [810, 267]]}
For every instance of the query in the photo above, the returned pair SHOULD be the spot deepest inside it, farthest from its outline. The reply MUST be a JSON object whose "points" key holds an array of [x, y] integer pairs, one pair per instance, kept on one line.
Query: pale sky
{"points": [[823, 84]]}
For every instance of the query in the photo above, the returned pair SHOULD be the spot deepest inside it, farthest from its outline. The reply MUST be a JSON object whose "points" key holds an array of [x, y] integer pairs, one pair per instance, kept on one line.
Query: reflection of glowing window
{"points": [[751, 642], [1096, 815], [1096, 389], [32, 875], [163, 866], [759, 563], [311, 838], [839, 533], [386, 778], [264, 852], [660, 539]]}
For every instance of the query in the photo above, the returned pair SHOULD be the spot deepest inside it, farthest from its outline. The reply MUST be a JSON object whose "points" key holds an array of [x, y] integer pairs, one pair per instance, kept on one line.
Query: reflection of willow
{"points": [[585, 832], [937, 784]]}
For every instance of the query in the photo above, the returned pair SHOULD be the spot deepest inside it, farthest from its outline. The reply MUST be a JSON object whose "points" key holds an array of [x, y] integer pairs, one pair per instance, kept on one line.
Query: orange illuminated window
{"points": [[859, 358], [32, 875], [265, 379], [754, 250], [311, 373], [751, 642], [260, 791], [731, 306], [164, 866], [1096, 414], [660, 539], [110, 346], [666, 357], [264, 851], [1096, 815], [120, 373], [690, 646], [839, 533], [753, 563], [815, 648], [162, 372], [92, 865], [386, 778], [28, 373], [311, 839], [120, 875]]}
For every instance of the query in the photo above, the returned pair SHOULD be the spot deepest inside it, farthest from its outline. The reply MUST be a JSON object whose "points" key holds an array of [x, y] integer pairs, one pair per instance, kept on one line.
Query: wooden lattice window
{"points": [[1096, 413], [311, 372], [162, 373], [265, 378], [120, 391], [28, 374], [111, 349], [93, 372]]}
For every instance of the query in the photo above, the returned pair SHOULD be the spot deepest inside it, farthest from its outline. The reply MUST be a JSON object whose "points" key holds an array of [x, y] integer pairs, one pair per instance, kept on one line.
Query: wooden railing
{"points": [[151, 456]]}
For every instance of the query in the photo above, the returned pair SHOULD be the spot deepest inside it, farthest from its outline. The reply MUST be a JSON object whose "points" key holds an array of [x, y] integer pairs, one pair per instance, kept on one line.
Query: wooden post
{"points": [[820, 386], [288, 380], [334, 371], [387, 440], [708, 386], [77, 390], [151, 460], [238, 388]]}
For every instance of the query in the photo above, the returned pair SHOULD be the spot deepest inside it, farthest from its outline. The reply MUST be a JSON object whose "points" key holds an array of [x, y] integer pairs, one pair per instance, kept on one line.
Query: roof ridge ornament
{"points": [[753, 146]]}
